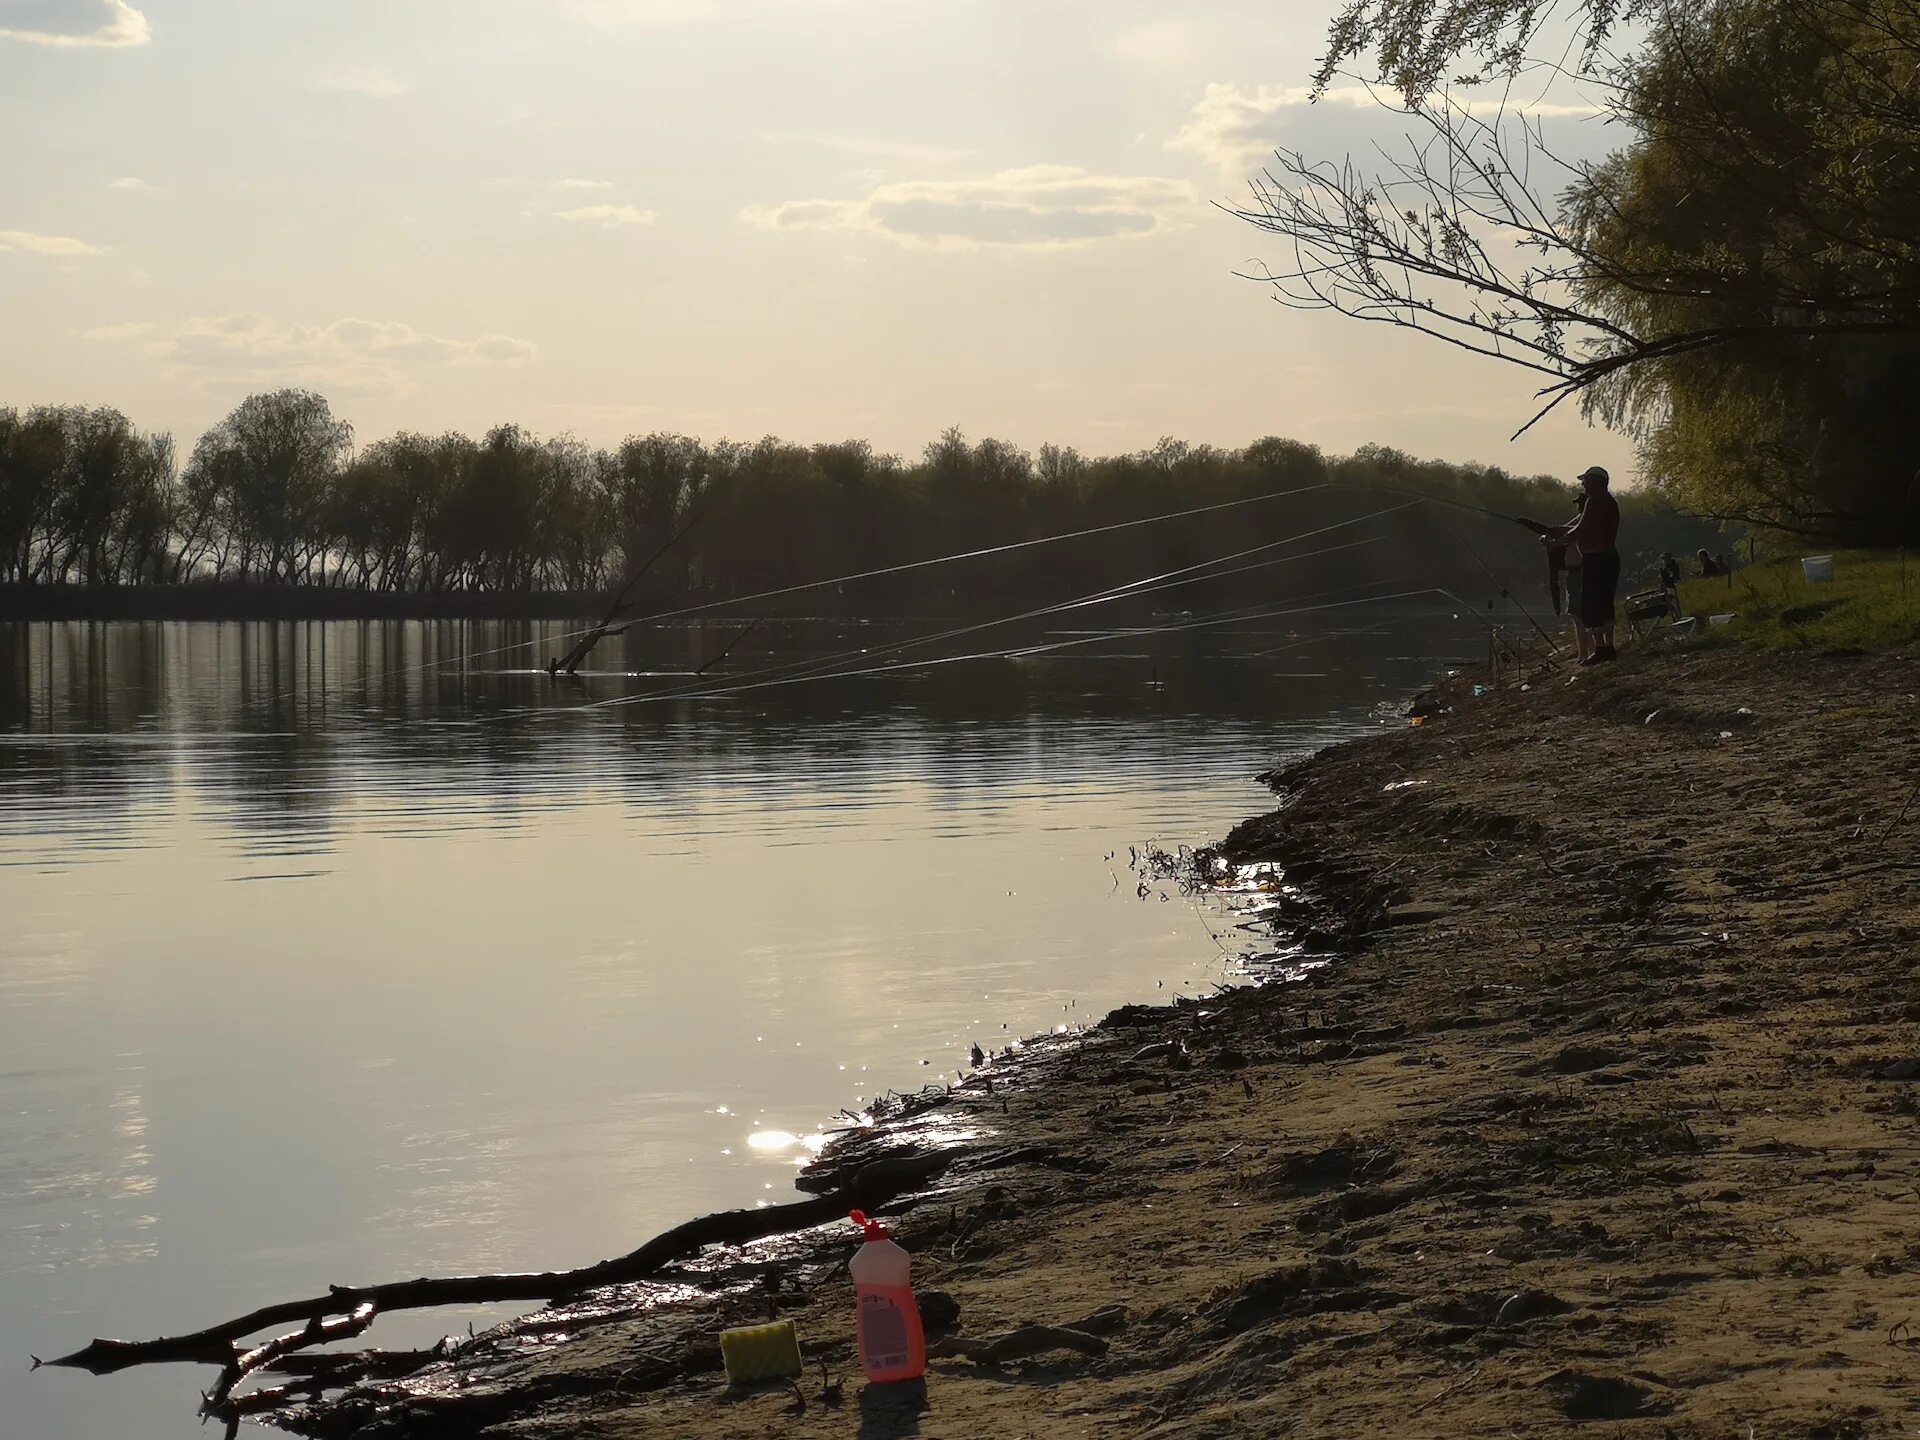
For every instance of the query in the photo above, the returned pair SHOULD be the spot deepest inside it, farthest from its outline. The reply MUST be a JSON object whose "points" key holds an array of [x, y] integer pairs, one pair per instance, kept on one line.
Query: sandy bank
{"points": [[1605, 1112]]}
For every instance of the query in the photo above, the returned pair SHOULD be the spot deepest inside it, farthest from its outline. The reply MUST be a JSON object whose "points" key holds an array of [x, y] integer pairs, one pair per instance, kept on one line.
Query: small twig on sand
{"points": [[1448, 1390], [1912, 790], [1029, 1340]]}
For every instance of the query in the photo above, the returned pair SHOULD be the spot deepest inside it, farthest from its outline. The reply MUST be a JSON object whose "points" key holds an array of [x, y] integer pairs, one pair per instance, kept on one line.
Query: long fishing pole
{"points": [[1505, 590], [1019, 652], [1305, 640], [1223, 617], [898, 667], [899, 569], [1443, 500], [827, 667], [1166, 580]]}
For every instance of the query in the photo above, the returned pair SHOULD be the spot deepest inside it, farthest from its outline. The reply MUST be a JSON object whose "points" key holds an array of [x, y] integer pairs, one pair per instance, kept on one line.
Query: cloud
{"points": [[131, 330], [608, 217], [1236, 130], [133, 183], [32, 244], [366, 80], [347, 356], [583, 184], [102, 24], [880, 149], [1041, 207]]}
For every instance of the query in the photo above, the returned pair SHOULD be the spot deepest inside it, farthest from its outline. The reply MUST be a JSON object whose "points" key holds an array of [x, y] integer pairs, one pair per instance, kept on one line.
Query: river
{"points": [[352, 951]]}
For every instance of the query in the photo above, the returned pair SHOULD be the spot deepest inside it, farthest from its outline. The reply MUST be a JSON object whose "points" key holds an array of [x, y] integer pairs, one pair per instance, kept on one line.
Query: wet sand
{"points": [[1607, 1110]]}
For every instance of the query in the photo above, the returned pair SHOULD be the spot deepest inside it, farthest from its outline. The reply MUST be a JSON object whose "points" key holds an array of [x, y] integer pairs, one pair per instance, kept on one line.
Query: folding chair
{"points": [[1652, 612]]}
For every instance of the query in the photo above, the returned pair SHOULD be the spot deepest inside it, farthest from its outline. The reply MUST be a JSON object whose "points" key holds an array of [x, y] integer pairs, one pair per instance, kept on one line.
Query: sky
{"points": [[817, 219]]}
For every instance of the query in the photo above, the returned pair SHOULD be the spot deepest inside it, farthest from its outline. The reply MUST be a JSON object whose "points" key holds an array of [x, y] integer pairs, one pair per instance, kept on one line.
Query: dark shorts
{"points": [[1599, 578]]}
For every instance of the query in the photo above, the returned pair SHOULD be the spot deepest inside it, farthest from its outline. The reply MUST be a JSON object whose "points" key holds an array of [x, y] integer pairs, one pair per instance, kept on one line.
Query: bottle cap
{"points": [[873, 1228]]}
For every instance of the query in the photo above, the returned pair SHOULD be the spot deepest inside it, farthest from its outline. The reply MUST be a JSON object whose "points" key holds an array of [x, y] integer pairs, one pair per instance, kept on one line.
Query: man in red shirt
{"points": [[1593, 537]]}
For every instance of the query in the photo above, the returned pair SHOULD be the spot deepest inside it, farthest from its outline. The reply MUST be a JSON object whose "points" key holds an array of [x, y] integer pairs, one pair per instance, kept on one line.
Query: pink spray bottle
{"points": [[892, 1344]]}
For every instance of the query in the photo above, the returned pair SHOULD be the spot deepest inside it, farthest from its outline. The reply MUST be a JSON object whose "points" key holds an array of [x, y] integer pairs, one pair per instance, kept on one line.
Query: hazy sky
{"points": [[810, 218]]}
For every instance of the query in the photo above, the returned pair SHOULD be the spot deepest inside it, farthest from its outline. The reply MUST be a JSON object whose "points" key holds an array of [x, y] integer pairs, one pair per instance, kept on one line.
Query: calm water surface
{"points": [[342, 952]]}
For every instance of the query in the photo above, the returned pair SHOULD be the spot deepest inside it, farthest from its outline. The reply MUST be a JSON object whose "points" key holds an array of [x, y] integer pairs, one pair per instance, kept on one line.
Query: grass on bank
{"points": [[1872, 602]]}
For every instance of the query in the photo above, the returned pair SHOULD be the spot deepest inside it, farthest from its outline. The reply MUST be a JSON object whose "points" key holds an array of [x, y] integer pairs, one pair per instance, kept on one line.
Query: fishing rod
{"points": [[1151, 584], [1224, 617], [898, 667], [1506, 591], [900, 569], [1451, 504], [1302, 641], [826, 667], [1521, 520]]}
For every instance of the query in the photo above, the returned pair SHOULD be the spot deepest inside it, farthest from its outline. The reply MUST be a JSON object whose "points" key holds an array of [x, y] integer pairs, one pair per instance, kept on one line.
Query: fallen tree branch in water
{"points": [[216, 1402], [339, 1368], [872, 1186], [570, 662]]}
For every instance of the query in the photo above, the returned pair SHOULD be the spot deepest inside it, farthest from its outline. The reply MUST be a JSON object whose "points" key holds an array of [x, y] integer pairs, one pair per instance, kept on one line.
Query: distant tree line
{"points": [[276, 494]]}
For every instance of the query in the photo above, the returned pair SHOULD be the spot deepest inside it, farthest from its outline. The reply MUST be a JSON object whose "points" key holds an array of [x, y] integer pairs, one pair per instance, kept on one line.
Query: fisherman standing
{"points": [[1593, 536], [1570, 562]]}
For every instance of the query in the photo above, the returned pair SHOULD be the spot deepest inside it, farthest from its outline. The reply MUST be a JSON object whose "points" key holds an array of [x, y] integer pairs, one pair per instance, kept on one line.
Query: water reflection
{"points": [[337, 951]]}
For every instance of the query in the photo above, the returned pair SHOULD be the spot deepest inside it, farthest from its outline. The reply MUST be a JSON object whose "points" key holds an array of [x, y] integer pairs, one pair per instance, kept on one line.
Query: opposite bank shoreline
{"points": [[1604, 1109], [254, 602]]}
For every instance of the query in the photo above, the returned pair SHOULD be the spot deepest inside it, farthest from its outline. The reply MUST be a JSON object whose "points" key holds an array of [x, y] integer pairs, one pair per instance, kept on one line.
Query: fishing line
{"points": [[1225, 617], [1506, 591], [1171, 585], [899, 667], [1230, 618], [1118, 592], [1133, 586], [1471, 509], [899, 569], [1303, 641], [823, 667]]}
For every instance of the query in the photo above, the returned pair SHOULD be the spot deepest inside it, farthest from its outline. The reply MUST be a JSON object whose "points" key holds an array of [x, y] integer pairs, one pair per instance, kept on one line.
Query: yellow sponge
{"points": [[761, 1352]]}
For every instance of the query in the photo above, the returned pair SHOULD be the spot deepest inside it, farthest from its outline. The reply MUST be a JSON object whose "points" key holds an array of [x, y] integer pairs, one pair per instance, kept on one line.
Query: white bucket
{"points": [[1818, 568]]}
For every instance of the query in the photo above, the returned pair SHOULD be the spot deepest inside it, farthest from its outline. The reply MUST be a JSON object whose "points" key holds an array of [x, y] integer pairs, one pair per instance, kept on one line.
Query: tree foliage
{"points": [[82, 494], [1739, 284], [1772, 195], [1416, 45], [267, 470]]}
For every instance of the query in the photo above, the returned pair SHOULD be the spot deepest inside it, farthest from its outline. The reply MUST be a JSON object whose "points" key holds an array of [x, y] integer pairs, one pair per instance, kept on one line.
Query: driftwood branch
{"points": [[316, 1331], [872, 1186], [339, 1368], [572, 660]]}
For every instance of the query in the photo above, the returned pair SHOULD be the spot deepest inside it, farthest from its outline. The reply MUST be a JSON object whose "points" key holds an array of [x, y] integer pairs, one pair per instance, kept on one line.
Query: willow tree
{"points": [[83, 496], [1418, 46], [1749, 256], [1771, 206], [264, 478]]}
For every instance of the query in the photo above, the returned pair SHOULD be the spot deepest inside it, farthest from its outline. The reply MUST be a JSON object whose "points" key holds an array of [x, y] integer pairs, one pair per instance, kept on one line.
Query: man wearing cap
{"points": [[1593, 536]]}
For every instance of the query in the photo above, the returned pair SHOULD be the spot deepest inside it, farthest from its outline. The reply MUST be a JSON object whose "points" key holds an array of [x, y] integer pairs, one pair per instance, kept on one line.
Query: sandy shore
{"points": [[1605, 1111]]}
